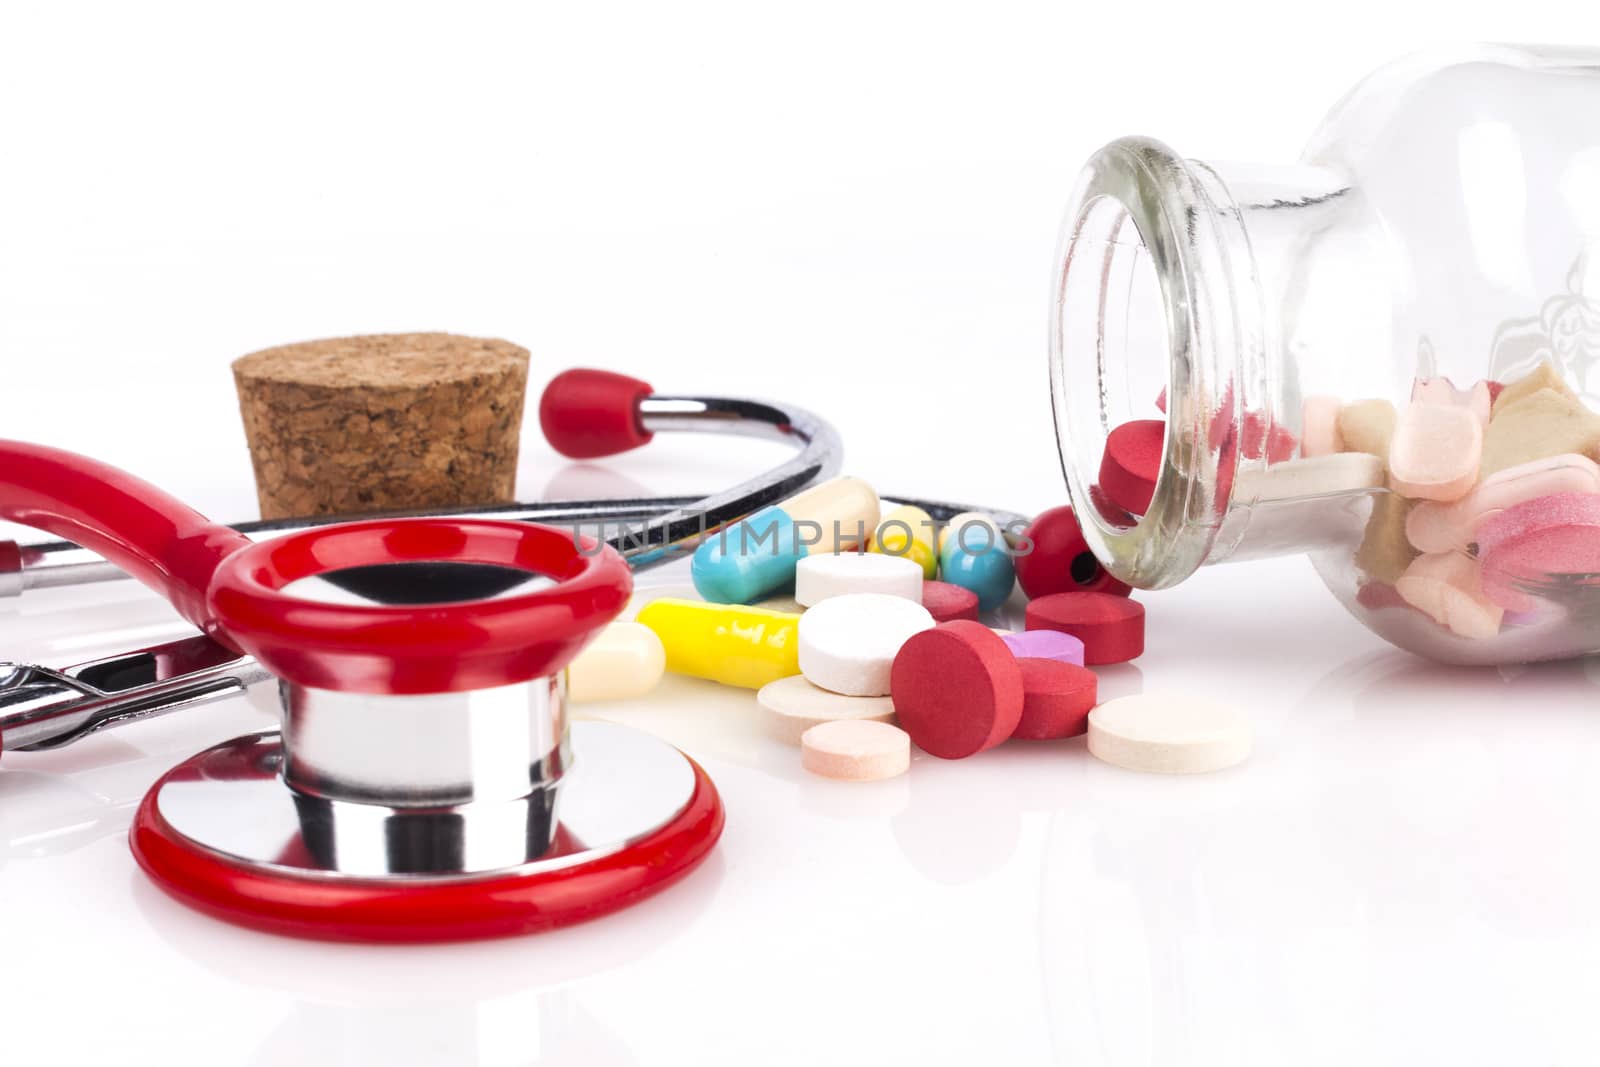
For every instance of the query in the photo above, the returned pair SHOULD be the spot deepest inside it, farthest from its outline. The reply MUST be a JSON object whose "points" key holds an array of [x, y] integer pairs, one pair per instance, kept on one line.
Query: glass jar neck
{"points": [[1216, 284]]}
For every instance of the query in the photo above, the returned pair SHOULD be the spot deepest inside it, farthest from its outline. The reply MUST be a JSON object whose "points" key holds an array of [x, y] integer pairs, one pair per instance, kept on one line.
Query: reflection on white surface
{"points": [[526, 1029], [1380, 904], [1402, 873], [592, 481]]}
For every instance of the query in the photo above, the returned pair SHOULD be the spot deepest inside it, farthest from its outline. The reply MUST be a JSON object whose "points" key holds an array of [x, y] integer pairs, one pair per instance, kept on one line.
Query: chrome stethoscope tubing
{"points": [[652, 529]]}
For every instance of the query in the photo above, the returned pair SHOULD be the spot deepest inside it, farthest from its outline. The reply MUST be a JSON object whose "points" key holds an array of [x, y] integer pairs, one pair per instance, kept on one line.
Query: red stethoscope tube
{"points": [[233, 589], [158, 539]]}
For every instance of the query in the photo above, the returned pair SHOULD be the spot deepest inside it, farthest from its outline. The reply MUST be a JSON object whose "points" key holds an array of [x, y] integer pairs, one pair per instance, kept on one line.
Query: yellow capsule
{"points": [[908, 531], [726, 643]]}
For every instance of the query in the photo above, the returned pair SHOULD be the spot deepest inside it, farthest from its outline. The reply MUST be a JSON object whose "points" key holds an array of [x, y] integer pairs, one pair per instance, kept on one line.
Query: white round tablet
{"points": [[848, 643], [791, 706], [1169, 734], [856, 750], [816, 578]]}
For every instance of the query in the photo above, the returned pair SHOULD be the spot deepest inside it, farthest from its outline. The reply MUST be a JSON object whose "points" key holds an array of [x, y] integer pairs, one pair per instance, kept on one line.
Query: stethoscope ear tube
{"points": [[586, 413]]}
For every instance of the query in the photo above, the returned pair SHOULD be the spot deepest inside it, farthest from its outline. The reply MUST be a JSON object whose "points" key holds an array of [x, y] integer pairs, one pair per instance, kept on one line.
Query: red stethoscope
{"points": [[426, 784]]}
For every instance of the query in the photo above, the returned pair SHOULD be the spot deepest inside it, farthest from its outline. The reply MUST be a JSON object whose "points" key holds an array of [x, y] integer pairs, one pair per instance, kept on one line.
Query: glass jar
{"points": [[1382, 356]]}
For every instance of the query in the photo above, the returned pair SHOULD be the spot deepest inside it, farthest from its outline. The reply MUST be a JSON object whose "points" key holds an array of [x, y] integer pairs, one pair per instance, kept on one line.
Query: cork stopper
{"points": [[384, 422]]}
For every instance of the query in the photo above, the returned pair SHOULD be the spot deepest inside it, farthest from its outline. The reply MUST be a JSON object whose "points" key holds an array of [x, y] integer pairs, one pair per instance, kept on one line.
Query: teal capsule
{"points": [[977, 559], [755, 558]]}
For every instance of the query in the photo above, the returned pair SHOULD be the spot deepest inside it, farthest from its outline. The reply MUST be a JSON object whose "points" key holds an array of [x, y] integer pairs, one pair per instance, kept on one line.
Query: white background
{"points": [[851, 206]]}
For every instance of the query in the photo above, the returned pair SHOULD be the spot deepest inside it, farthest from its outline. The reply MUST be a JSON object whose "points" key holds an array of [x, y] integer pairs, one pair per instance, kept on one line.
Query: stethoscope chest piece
{"points": [[222, 832], [425, 784]]}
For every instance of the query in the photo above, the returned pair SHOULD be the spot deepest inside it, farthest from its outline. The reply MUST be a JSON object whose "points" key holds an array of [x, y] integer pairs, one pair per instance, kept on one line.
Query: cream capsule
{"points": [[625, 660]]}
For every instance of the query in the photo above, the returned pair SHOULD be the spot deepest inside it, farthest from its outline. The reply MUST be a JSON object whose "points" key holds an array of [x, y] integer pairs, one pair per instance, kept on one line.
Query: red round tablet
{"points": [[957, 689], [947, 602], [1110, 627], [1131, 462], [1060, 560], [1056, 699]]}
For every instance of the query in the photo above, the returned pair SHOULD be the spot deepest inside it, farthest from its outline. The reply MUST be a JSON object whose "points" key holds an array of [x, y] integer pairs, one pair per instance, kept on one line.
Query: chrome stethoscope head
{"points": [[418, 789]]}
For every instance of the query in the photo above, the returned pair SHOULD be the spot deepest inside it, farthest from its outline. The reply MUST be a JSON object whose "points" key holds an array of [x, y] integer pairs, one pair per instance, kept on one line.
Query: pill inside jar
{"points": [[1463, 523], [1346, 356]]}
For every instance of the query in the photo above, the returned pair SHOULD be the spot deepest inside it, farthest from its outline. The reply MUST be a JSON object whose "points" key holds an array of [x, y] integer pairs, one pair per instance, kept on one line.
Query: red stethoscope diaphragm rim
{"points": [[411, 911], [418, 648]]}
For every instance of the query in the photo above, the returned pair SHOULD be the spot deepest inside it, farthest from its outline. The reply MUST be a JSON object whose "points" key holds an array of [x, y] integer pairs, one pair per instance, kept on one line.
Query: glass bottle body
{"points": [[1383, 355]]}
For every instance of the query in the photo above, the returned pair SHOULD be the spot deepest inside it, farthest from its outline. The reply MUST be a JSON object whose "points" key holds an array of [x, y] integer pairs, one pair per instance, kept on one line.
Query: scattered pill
{"points": [[1544, 376], [1478, 399], [1169, 734], [1220, 430], [855, 750], [908, 532], [1263, 437], [1435, 527], [1367, 426], [1531, 617], [1110, 627], [974, 554], [740, 646], [1385, 552], [947, 602], [818, 577], [848, 643], [1527, 544], [1055, 558], [625, 660], [1439, 390], [755, 557], [1448, 587], [1045, 644], [1375, 596], [1131, 464], [1056, 699], [1327, 475], [957, 689], [1549, 422], [1435, 452], [791, 706], [1319, 426]]}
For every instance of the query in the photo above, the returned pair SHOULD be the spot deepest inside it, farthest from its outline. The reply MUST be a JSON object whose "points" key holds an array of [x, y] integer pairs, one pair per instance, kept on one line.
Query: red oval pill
{"points": [[1110, 627], [1060, 560], [1056, 699], [957, 689], [1131, 463]]}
